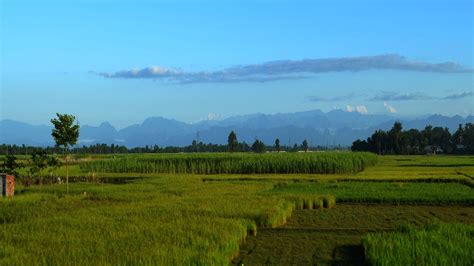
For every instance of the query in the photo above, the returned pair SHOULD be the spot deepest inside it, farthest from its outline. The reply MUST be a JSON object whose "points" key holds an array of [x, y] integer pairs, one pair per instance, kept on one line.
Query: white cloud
{"points": [[213, 116], [289, 69], [361, 109], [389, 108]]}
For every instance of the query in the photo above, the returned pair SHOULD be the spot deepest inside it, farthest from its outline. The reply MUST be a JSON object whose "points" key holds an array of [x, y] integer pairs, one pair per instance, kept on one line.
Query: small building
{"points": [[432, 149], [7, 185], [459, 147]]}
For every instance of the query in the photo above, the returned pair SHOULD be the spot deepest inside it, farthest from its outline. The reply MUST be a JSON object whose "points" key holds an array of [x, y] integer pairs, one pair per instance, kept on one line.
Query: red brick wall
{"points": [[10, 185]]}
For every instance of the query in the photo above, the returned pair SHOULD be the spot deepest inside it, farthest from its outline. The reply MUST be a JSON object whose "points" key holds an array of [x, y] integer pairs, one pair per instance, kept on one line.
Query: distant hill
{"points": [[335, 127], [14, 132]]}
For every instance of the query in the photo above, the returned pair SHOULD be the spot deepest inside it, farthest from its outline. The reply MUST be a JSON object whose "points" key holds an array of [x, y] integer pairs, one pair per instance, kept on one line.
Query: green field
{"points": [[207, 209], [383, 192], [434, 244], [334, 236], [239, 163]]}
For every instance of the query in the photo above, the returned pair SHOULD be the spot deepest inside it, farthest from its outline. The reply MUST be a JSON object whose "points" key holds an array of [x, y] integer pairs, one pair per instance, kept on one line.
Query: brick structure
{"points": [[7, 185]]}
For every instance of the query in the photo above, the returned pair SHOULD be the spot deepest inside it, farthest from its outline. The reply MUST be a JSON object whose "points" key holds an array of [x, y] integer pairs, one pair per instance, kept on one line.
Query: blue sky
{"points": [[92, 58]]}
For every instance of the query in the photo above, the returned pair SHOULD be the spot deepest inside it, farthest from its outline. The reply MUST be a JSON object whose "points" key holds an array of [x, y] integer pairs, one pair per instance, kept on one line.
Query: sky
{"points": [[124, 61]]}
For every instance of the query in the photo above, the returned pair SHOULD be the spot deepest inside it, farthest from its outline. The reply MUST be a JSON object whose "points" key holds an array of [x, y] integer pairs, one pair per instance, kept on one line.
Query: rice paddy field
{"points": [[241, 163], [245, 209]]}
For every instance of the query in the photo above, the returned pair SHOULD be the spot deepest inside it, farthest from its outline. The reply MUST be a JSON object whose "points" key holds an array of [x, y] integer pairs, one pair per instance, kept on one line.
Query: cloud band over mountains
{"points": [[393, 96], [287, 69], [462, 95]]}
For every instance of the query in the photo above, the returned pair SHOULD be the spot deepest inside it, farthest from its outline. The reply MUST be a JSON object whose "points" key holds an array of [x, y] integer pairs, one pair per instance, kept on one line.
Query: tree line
{"points": [[233, 145], [430, 140]]}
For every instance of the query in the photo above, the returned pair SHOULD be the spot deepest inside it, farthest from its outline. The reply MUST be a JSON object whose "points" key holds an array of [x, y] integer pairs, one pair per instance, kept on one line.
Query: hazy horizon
{"points": [[212, 118]]}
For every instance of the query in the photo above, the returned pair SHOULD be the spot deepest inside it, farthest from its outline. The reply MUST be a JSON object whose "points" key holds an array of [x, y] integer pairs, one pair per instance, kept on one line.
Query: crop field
{"points": [[334, 236], [251, 209], [383, 192], [272, 163], [434, 244]]}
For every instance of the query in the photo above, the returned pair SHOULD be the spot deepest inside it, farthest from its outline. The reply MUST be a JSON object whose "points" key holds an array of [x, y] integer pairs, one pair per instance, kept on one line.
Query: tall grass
{"points": [[274, 163], [436, 244], [169, 220], [383, 192]]}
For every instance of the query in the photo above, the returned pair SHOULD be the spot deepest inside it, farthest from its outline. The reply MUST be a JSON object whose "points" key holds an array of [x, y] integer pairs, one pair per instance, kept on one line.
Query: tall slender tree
{"points": [[395, 135], [277, 145], [65, 134], [232, 141], [305, 145]]}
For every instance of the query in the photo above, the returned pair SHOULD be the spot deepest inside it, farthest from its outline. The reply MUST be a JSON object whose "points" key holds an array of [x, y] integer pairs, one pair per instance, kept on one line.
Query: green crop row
{"points": [[436, 244], [382, 192], [270, 163]]}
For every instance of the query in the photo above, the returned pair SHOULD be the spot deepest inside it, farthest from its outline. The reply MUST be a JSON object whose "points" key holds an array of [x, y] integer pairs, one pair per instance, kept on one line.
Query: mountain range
{"points": [[336, 127]]}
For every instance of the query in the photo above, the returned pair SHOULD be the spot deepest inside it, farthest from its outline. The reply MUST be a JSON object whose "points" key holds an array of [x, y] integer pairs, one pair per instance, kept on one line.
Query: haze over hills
{"points": [[336, 127]]}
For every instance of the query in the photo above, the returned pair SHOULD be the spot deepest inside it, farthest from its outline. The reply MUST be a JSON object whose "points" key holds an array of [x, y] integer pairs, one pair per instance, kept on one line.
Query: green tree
{"points": [[258, 146], [458, 135], [360, 145], [305, 145], [378, 142], [53, 164], [441, 138], [395, 135], [65, 134], [277, 145], [194, 146], [232, 141], [427, 135], [414, 141], [38, 162], [468, 137], [10, 166]]}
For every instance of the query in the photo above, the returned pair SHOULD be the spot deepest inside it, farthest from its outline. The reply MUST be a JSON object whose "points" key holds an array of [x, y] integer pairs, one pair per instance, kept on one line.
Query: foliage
{"points": [[65, 132], [277, 144], [429, 140], [102, 148], [258, 146], [242, 163], [305, 145], [10, 165], [53, 163], [436, 244], [39, 161], [232, 141]]}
